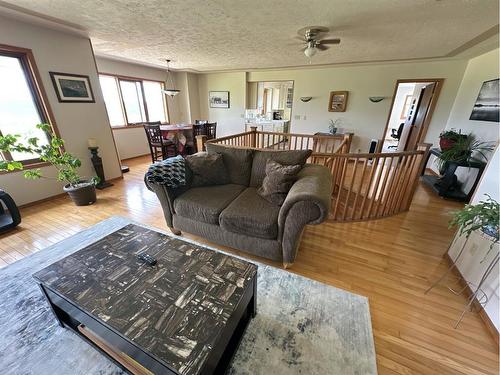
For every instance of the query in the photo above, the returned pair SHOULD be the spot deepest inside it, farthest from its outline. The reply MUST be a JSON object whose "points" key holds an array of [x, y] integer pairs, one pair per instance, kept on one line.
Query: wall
{"points": [[132, 142], [479, 69], [231, 120], [62, 52], [470, 263]]}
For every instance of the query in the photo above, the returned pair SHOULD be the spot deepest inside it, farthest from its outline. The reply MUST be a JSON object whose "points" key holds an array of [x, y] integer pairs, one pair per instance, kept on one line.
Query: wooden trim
{"points": [[482, 313], [435, 95], [128, 78], [131, 126], [37, 164], [137, 156]]}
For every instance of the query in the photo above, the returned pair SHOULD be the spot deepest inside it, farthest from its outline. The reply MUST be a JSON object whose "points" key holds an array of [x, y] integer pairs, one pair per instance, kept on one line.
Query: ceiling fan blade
{"points": [[329, 41], [303, 49], [301, 38], [322, 47]]}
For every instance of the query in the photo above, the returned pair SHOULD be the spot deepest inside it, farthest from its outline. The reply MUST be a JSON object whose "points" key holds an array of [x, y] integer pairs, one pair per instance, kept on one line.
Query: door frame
{"points": [[425, 126]]}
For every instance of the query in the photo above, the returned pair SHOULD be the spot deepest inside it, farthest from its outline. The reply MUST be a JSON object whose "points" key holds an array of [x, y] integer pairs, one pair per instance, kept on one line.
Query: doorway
{"points": [[411, 111]]}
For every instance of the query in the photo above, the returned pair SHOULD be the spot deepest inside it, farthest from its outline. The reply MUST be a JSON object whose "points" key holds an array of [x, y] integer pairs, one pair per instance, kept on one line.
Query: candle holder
{"points": [[99, 170]]}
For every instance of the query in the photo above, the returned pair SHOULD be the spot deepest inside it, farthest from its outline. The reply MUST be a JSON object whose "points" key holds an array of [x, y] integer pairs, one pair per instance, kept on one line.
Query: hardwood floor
{"points": [[391, 261]]}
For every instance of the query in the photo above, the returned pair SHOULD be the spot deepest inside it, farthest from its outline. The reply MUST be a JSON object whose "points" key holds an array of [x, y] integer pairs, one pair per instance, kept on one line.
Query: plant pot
{"points": [[446, 143], [82, 194]]}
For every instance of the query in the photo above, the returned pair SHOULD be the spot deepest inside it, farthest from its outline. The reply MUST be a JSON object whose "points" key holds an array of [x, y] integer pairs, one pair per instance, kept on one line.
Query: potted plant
{"points": [[483, 216], [334, 125], [448, 138], [461, 150], [80, 190]]}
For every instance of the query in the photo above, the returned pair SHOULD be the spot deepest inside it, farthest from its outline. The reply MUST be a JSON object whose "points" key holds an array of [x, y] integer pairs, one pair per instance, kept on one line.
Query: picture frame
{"points": [[72, 88], [487, 107], [338, 101], [219, 99]]}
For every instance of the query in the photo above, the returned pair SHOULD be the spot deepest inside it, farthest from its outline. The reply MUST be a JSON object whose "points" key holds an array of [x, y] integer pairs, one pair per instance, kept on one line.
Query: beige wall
{"points": [[62, 52], [231, 120], [366, 119]]}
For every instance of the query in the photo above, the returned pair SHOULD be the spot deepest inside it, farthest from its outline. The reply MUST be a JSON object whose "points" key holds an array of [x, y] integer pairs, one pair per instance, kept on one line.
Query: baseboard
{"points": [[484, 317], [135, 157]]}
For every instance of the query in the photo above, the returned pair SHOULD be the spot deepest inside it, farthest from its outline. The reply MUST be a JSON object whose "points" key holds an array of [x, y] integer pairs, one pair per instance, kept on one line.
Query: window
{"points": [[21, 107], [133, 101]]}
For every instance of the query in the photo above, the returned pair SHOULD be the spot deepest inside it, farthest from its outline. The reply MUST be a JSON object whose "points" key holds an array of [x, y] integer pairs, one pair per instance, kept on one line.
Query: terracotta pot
{"points": [[446, 143], [83, 194]]}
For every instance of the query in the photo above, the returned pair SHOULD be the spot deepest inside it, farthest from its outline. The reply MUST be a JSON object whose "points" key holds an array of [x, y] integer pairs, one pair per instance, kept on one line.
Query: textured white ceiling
{"points": [[245, 34]]}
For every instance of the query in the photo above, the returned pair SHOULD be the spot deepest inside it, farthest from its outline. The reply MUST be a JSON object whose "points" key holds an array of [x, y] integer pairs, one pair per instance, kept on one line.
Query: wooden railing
{"points": [[365, 186], [373, 186]]}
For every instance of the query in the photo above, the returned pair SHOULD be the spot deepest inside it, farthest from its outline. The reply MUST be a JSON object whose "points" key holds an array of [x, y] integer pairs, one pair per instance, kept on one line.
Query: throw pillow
{"points": [[238, 162], [207, 169], [278, 181], [285, 157]]}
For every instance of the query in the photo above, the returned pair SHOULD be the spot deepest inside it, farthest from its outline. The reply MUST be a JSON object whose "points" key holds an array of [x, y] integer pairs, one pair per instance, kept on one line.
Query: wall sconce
{"points": [[376, 99], [305, 99]]}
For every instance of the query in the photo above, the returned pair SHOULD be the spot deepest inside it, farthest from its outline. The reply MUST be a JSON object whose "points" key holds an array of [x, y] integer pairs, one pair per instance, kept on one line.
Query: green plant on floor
{"points": [[52, 152], [461, 151], [483, 216]]}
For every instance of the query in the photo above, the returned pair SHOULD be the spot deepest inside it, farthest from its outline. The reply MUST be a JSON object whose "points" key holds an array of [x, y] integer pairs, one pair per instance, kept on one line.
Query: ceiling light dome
{"points": [[310, 51]]}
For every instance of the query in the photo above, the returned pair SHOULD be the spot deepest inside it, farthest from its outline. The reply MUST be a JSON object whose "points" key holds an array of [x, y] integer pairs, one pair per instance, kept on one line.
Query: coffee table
{"points": [[184, 315]]}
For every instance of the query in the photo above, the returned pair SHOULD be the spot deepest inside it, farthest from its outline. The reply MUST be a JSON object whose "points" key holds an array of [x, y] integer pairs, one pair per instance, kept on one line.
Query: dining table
{"points": [[181, 134]]}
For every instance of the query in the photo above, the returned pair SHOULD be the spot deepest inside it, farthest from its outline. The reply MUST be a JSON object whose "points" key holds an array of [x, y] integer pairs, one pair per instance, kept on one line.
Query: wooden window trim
{"points": [[39, 95], [118, 78]]}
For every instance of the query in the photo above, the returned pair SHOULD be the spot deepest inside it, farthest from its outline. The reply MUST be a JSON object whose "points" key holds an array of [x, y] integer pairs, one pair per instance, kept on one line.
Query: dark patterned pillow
{"points": [[278, 181], [207, 169]]}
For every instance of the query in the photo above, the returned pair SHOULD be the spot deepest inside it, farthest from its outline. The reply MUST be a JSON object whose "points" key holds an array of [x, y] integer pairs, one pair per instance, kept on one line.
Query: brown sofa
{"points": [[235, 215]]}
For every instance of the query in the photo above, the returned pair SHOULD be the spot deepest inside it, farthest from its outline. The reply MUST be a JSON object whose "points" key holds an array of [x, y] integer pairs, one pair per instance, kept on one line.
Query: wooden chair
{"points": [[200, 122], [198, 129], [211, 130], [159, 147]]}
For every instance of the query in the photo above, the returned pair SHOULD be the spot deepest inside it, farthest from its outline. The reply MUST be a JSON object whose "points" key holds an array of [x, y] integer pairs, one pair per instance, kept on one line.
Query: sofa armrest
{"points": [[307, 202], [166, 197]]}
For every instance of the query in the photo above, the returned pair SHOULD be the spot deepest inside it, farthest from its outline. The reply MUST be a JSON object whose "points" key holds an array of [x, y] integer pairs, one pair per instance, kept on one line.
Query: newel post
{"points": [[253, 136], [348, 140], [200, 142]]}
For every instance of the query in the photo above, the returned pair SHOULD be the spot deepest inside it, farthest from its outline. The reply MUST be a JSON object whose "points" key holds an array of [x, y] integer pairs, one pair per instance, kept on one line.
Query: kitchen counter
{"points": [[276, 126]]}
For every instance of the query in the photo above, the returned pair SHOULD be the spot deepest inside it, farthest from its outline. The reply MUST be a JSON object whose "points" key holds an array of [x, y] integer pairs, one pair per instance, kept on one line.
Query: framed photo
{"points": [[72, 88], [218, 99], [338, 101], [487, 107]]}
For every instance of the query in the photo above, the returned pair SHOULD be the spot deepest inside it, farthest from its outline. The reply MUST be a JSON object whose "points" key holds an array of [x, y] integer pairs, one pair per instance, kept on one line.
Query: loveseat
{"points": [[235, 215]]}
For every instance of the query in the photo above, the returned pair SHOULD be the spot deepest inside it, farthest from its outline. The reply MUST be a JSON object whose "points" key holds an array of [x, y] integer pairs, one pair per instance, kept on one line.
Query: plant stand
{"points": [[99, 170], [477, 291]]}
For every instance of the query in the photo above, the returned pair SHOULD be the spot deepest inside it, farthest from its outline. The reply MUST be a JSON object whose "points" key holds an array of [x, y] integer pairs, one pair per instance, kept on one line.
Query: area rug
{"points": [[301, 327]]}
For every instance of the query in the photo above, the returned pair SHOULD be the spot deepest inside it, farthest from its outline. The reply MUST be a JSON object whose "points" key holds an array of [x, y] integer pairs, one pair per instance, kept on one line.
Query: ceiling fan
{"points": [[310, 35]]}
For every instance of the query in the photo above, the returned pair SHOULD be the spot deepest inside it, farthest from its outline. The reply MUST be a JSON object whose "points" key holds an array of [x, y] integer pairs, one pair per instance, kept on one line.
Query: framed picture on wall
{"points": [[338, 101], [487, 107], [218, 99], [72, 88], [406, 107]]}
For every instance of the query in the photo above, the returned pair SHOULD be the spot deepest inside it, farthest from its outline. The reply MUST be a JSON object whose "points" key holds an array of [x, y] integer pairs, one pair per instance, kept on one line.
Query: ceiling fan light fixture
{"points": [[310, 51], [170, 90]]}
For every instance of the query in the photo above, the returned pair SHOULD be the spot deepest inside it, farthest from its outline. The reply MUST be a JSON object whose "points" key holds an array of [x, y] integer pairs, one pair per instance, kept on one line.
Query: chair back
{"points": [[153, 132], [211, 130], [400, 130], [199, 129], [200, 122]]}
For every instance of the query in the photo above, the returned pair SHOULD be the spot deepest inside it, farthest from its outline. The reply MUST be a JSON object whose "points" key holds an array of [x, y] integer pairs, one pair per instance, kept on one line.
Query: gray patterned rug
{"points": [[301, 327]]}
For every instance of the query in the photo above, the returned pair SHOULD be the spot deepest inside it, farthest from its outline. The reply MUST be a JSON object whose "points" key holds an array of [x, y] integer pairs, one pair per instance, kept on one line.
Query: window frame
{"points": [[38, 94], [128, 124]]}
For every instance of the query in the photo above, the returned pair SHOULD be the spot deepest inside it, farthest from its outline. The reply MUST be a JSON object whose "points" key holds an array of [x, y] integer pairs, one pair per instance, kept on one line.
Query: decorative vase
{"points": [[446, 143]]}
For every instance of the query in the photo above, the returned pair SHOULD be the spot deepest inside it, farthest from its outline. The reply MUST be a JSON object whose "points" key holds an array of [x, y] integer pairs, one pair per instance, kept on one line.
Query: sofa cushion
{"points": [[206, 203], [238, 162], [207, 169], [251, 215], [278, 181], [285, 157]]}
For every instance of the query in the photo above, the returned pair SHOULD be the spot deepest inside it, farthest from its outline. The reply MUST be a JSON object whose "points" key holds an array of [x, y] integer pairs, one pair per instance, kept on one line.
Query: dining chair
{"points": [[200, 122], [159, 147], [211, 130]]}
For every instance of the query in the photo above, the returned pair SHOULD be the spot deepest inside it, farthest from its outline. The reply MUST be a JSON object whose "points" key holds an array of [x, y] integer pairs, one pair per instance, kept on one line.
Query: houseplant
{"points": [[462, 149], [483, 216], [81, 191], [447, 138]]}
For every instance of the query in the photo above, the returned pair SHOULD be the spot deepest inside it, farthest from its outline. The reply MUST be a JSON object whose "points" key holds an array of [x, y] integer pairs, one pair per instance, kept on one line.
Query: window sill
{"points": [[34, 165], [133, 126]]}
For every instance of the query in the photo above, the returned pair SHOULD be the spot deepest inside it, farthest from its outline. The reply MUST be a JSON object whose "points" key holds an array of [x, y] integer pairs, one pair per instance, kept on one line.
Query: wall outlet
{"points": [[296, 117]]}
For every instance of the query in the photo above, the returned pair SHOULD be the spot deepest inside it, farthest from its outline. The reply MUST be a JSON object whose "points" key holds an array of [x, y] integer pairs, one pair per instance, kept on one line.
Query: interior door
{"points": [[419, 117]]}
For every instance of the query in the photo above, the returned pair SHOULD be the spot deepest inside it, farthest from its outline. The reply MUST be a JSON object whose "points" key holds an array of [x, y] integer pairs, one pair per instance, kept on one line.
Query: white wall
{"points": [[62, 52], [366, 119], [470, 263], [231, 120], [404, 89]]}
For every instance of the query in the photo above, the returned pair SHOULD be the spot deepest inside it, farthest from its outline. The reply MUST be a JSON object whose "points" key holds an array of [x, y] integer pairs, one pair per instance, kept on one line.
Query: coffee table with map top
{"points": [[184, 315]]}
